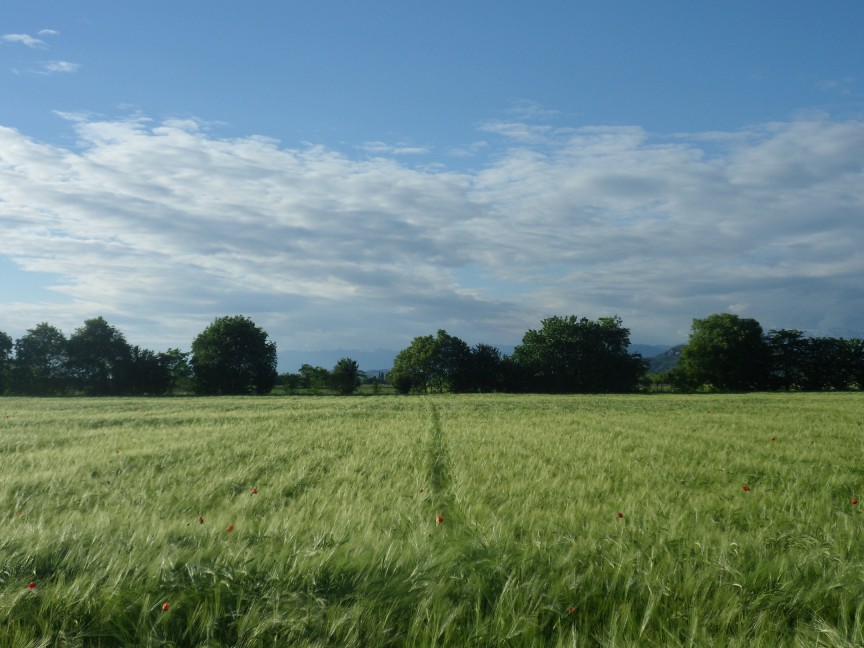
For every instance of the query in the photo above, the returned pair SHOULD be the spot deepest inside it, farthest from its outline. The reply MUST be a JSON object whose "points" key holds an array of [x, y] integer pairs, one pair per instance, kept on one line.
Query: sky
{"points": [[353, 175]]}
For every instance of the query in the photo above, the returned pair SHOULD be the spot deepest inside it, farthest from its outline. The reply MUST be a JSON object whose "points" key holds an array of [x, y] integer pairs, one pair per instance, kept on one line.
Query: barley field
{"points": [[488, 520]]}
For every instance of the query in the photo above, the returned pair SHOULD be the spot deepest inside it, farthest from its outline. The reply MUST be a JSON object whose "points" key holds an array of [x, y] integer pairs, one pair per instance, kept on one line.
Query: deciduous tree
{"points": [[826, 363], [441, 363], [569, 354], [856, 361], [725, 352], [413, 366], [487, 369], [313, 377], [41, 362], [179, 370], [346, 376], [787, 350], [451, 364], [148, 373], [99, 358], [5, 361], [234, 356]]}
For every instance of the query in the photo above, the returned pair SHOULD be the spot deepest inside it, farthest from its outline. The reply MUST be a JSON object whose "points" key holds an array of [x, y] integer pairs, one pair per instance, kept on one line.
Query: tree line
{"points": [[232, 355], [566, 354], [730, 353]]}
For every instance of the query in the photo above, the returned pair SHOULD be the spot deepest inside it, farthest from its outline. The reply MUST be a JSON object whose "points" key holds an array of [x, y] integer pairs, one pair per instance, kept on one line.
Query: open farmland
{"points": [[433, 521]]}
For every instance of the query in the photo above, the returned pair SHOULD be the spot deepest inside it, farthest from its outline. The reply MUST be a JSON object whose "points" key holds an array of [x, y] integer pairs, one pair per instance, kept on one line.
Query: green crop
{"points": [[433, 521]]}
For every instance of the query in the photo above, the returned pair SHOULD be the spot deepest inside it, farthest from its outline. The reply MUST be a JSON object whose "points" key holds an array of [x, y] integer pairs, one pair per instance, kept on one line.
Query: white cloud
{"points": [[162, 226], [44, 67], [517, 130], [59, 67], [383, 148], [527, 110], [23, 39]]}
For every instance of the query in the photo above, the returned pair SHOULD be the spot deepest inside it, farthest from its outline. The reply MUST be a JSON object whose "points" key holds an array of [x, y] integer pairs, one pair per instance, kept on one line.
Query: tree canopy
{"points": [[40, 366], [725, 352], [569, 354], [5, 361], [346, 376], [800, 362], [414, 365], [234, 356], [442, 363], [98, 358]]}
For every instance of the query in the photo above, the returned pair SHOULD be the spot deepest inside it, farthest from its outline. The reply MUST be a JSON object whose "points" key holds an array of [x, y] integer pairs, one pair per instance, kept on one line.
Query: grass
{"points": [[567, 521]]}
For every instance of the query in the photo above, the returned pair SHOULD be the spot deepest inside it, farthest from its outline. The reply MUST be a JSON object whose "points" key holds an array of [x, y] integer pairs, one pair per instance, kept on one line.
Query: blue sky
{"points": [[356, 174]]}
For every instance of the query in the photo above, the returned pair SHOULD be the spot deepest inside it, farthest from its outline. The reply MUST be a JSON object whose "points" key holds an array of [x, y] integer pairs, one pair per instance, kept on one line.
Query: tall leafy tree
{"points": [[99, 358], [41, 362], [414, 365], [313, 377], [787, 350], [814, 363], [487, 372], [569, 354], [346, 376], [451, 369], [725, 352], [234, 356], [856, 361], [179, 370], [826, 364], [147, 373], [441, 363], [5, 361]]}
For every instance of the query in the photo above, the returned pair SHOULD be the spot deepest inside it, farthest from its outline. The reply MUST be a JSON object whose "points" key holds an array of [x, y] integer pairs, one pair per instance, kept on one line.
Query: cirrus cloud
{"points": [[23, 39], [59, 67]]}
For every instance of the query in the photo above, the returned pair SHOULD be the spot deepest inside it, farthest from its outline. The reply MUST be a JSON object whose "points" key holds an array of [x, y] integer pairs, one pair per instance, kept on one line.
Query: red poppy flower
{"points": [[31, 586], [620, 515], [229, 528], [254, 491], [200, 519], [854, 501], [745, 487], [439, 519], [165, 607], [571, 610]]}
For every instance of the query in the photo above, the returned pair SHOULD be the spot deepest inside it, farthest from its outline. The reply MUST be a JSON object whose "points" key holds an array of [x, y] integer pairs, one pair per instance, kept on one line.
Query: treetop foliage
{"points": [[729, 353], [99, 358], [234, 356], [346, 376], [566, 355], [569, 354]]}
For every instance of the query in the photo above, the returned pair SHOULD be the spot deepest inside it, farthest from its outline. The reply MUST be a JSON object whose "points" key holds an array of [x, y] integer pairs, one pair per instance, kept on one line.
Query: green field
{"points": [[567, 521]]}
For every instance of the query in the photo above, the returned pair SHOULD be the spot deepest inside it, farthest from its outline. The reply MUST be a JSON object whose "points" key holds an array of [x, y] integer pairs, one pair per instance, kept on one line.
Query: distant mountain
{"points": [[666, 360], [649, 350]]}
